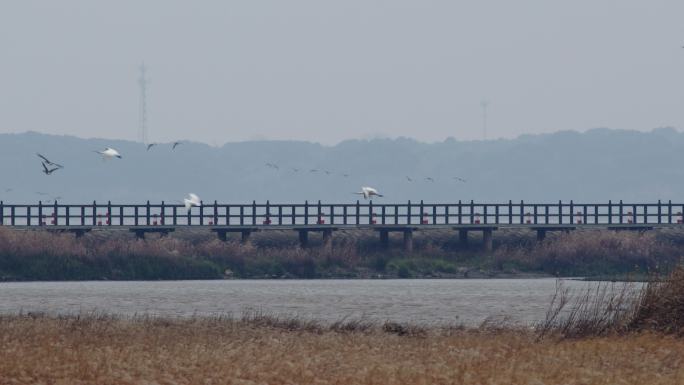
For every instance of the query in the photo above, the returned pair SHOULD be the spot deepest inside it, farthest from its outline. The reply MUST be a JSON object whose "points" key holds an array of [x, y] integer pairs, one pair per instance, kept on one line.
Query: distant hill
{"points": [[597, 165]]}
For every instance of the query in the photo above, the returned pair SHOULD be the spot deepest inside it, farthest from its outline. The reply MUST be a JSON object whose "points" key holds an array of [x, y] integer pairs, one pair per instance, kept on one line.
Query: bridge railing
{"points": [[359, 213]]}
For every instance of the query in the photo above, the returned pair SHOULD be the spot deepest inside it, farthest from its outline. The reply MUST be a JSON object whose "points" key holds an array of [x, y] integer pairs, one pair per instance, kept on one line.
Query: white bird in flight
{"points": [[109, 153], [192, 200], [368, 192]]}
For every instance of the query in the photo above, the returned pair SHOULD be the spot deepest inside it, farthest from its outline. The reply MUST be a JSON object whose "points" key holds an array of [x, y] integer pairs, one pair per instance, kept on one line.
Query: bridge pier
{"points": [[303, 238], [327, 240], [140, 232], [384, 239], [463, 237], [408, 240], [541, 235], [245, 237], [487, 239]]}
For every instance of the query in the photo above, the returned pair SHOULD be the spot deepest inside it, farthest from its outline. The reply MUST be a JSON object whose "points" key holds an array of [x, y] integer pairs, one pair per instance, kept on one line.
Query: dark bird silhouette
{"points": [[326, 172], [295, 169], [273, 166], [313, 170], [345, 175], [176, 144], [430, 179], [150, 146], [48, 162], [409, 179], [459, 179], [48, 171]]}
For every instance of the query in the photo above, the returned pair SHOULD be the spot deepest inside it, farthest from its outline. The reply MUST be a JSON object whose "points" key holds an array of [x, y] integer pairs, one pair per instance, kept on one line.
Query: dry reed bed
{"points": [[259, 350]]}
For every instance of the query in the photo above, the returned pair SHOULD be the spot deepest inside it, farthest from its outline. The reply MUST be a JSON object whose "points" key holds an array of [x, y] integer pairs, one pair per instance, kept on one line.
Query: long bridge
{"points": [[463, 217]]}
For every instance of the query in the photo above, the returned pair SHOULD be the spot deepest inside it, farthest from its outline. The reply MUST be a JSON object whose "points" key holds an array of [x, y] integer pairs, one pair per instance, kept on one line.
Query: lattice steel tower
{"points": [[142, 113]]}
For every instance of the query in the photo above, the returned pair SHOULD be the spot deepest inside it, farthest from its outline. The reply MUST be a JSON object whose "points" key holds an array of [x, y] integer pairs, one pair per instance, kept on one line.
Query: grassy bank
{"points": [[603, 337], [35, 255], [104, 350]]}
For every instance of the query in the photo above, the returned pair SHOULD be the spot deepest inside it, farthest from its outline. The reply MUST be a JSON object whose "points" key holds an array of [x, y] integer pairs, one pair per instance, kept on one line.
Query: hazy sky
{"points": [[332, 70]]}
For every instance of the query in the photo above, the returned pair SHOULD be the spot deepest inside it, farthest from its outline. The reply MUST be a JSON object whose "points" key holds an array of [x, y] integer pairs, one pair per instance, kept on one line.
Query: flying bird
{"points": [[326, 172], [109, 153], [409, 179], [192, 200], [368, 192], [48, 171], [459, 179], [295, 169], [48, 162], [430, 179], [176, 144], [150, 146], [313, 170], [273, 166], [345, 175]]}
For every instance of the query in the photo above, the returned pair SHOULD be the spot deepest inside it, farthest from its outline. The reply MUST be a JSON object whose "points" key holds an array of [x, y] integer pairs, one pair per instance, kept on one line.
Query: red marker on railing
{"points": [[424, 220], [267, 221], [373, 219], [477, 218], [320, 221], [630, 218], [579, 215], [528, 218]]}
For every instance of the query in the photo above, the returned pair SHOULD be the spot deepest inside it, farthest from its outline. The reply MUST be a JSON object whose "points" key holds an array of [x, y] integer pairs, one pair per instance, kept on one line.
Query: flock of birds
{"points": [[193, 200], [367, 192]]}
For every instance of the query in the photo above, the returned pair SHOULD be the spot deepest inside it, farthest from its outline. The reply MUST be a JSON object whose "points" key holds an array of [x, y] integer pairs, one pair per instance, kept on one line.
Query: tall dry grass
{"points": [[109, 350], [39, 255]]}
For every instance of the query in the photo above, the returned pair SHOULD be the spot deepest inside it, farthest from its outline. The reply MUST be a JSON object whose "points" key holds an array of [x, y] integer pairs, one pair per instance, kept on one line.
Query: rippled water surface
{"points": [[430, 301]]}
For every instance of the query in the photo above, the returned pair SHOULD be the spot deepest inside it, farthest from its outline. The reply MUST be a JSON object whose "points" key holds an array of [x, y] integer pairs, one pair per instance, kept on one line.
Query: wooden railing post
{"points": [[135, 215], [55, 213], [40, 213], [496, 214], [572, 212], [242, 215], [162, 221], [344, 214], [522, 212], [383, 214], [216, 215], [254, 214], [2, 213], [535, 213], [408, 212], [446, 214], [28, 215], [660, 212], [460, 212], [620, 210], [484, 213], [147, 213], [121, 215], [669, 211], [332, 214], [108, 221], [280, 214], [306, 212], [370, 212], [472, 212], [510, 212], [560, 212], [610, 212], [94, 213]]}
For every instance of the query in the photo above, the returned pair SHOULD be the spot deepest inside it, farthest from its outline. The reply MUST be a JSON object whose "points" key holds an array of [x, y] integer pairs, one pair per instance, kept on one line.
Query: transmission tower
{"points": [[484, 104], [142, 117]]}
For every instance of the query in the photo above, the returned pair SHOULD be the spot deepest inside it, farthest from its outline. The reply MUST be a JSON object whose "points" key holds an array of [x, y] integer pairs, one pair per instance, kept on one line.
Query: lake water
{"points": [[423, 301]]}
